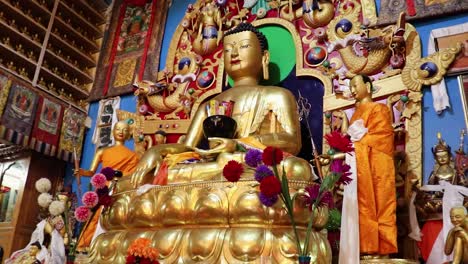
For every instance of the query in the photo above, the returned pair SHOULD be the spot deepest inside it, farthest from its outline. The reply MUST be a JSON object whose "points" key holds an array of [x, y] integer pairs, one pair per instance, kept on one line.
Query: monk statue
{"points": [[117, 157], [457, 238], [444, 168], [372, 133], [265, 116]]}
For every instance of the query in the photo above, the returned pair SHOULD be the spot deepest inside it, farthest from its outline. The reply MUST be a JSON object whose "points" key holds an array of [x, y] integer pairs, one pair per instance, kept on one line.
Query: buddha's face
{"points": [[160, 139], [33, 250], [359, 89], [457, 216], [442, 157], [121, 131], [242, 55]]}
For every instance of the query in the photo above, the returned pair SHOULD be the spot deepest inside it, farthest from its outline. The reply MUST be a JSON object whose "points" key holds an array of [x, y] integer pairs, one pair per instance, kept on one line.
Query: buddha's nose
{"points": [[234, 52]]}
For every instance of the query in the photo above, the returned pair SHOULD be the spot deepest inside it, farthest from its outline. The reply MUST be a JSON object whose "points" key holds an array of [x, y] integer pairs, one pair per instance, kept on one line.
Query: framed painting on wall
{"points": [[132, 47], [460, 64]]}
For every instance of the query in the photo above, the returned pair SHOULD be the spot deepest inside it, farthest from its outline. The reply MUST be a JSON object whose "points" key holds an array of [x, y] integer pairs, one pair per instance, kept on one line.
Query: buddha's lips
{"points": [[235, 61]]}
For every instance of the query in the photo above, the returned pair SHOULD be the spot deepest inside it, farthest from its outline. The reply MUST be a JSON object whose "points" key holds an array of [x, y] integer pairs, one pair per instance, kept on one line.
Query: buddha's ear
{"points": [[265, 63], [369, 87]]}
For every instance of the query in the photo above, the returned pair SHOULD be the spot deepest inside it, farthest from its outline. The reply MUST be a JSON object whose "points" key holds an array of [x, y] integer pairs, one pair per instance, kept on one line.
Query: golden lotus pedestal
{"points": [[209, 222], [388, 261]]}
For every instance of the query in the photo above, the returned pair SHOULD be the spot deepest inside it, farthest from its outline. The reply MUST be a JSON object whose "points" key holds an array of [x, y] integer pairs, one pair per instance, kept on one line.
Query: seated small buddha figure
{"points": [[443, 169], [457, 238], [265, 116], [26, 257]]}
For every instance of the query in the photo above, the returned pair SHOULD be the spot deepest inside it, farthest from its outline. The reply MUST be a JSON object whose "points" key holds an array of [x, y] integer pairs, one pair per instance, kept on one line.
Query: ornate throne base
{"points": [[209, 222]]}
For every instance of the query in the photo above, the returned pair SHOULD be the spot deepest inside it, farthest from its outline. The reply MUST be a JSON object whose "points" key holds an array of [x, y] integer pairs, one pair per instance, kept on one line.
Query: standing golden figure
{"points": [[117, 157], [372, 133], [201, 218]]}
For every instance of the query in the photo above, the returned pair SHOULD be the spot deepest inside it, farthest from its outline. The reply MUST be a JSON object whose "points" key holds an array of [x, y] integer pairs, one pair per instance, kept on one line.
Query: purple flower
{"points": [[261, 172], [339, 166], [327, 199], [253, 157], [108, 172], [103, 191], [267, 200], [313, 192]]}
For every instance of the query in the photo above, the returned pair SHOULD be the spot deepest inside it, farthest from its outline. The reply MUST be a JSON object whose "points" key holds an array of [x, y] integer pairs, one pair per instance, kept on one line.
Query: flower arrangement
{"points": [[141, 252], [274, 185], [92, 200]]}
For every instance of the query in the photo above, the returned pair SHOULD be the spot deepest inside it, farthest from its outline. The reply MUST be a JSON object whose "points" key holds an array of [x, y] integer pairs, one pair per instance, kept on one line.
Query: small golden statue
{"points": [[209, 30], [26, 256], [457, 238], [444, 168]]}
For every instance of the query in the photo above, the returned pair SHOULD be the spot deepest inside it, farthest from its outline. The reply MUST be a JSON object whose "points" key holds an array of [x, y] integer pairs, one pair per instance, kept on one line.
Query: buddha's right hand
{"points": [[221, 145]]}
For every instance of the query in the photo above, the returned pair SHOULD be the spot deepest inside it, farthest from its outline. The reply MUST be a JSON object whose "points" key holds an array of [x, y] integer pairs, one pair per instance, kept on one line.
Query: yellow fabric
{"points": [[376, 181], [173, 159], [120, 158]]}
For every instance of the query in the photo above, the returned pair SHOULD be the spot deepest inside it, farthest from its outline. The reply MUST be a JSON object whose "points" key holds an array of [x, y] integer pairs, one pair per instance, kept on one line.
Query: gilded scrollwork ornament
{"points": [[429, 70]]}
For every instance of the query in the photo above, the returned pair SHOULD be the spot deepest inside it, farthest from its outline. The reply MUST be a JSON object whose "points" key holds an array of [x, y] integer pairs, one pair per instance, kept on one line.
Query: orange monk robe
{"points": [[376, 180], [119, 158]]}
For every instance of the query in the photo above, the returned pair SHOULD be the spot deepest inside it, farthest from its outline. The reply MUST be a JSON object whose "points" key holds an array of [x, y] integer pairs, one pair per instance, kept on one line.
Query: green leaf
{"points": [[241, 148]]}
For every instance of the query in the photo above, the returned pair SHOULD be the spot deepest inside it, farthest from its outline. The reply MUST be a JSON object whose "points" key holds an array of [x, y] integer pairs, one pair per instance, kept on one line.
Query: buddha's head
{"points": [[457, 215], [34, 248], [441, 151], [245, 52], [160, 137], [121, 131], [361, 87]]}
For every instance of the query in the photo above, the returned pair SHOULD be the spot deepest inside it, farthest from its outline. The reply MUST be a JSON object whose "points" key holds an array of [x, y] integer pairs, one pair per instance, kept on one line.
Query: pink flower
{"points": [[99, 181], [82, 214], [90, 199]]}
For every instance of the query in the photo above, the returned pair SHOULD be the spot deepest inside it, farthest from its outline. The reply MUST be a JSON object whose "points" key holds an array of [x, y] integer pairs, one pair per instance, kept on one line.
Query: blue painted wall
{"points": [[449, 123]]}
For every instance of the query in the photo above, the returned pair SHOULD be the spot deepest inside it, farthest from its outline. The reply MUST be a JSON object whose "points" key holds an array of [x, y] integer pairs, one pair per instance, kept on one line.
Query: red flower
{"points": [[105, 200], [270, 186], [136, 2], [339, 142], [130, 259], [145, 261], [232, 171], [272, 156]]}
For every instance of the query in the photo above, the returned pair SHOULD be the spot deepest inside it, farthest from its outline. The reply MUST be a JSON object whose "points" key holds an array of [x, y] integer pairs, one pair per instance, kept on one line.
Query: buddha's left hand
{"points": [[221, 145]]}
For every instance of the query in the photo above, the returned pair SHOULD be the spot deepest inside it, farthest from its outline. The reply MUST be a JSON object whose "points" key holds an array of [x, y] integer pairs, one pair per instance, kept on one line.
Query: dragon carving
{"points": [[373, 50], [154, 94]]}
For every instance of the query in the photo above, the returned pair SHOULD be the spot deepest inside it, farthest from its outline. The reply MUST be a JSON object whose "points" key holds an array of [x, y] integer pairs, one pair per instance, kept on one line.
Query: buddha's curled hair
{"points": [[249, 27]]}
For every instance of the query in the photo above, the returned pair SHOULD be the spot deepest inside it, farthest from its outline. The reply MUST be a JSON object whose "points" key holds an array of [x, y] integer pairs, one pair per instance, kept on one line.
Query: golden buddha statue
{"points": [[443, 169], [457, 238], [198, 216], [265, 116], [27, 256]]}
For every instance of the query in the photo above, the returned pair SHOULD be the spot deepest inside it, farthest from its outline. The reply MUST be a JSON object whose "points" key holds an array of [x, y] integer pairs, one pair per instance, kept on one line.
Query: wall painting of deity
{"points": [[131, 50], [17, 121], [71, 136], [45, 135]]}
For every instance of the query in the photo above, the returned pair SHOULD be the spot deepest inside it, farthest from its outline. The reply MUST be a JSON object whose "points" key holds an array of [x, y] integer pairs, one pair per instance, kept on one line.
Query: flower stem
{"points": [[309, 225]]}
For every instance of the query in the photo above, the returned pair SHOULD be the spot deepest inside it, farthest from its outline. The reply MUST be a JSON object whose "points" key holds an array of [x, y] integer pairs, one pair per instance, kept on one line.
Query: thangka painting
{"points": [[417, 9], [46, 131], [71, 136], [132, 49], [5, 84], [17, 121]]}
